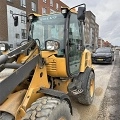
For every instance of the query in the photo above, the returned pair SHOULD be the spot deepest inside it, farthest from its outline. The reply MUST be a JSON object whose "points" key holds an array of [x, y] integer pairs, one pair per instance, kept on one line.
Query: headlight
{"points": [[4, 46], [52, 45]]}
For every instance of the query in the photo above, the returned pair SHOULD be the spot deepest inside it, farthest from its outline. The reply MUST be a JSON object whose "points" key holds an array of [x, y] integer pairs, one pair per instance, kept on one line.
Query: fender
{"points": [[58, 94]]}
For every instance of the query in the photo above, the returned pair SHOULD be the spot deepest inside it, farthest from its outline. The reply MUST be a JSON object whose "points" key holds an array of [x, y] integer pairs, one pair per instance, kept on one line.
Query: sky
{"points": [[107, 14]]}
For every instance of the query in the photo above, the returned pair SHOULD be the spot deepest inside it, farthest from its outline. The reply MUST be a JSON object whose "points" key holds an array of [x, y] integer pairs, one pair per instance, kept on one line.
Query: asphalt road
{"points": [[110, 106], [5, 73], [102, 77]]}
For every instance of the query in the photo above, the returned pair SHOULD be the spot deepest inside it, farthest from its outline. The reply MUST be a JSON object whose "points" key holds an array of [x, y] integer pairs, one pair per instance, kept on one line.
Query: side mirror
{"points": [[16, 21], [81, 13]]}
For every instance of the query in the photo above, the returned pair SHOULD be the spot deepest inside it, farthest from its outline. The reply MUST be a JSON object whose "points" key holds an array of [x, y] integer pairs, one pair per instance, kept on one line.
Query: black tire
{"points": [[87, 96], [48, 108], [6, 116]]}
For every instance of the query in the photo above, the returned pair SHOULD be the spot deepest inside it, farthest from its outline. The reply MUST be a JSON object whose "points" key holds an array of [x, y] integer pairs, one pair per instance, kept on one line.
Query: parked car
{"points": [[103, 55]]}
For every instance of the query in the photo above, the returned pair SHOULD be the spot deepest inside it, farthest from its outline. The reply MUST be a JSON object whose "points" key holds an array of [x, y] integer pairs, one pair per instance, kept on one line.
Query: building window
{"points": [[9, 0], [23, 18], [52, 11], [23, 3], [11, 12], [44, 1], [17, 36], [56, 6], [44, 10], [51, 2], [33, 6], [23, 33]]}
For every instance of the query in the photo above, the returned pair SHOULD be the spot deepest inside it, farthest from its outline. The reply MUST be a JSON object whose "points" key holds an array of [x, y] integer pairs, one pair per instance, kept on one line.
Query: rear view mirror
{"points": [[81, 13], [16, 21]]}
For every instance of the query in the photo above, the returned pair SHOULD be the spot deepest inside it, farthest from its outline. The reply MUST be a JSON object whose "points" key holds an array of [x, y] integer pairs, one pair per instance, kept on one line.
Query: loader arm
{"points": [[16, 78], [22, 68], [13, 55]]}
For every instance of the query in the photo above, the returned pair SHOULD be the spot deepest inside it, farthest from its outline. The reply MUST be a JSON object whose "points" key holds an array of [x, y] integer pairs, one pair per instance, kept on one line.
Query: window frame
{"points": [[9, 0], [51, 3], [44, 11], [57, 6], [23, 3], [45, 1], [24, 31], [23, 18], [17, 35], [33, 6]]}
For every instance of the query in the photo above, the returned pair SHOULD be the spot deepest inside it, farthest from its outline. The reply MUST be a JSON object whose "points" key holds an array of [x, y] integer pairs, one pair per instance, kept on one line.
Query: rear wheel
{"points": [[86, 97], [48, 108], [6, 116]]}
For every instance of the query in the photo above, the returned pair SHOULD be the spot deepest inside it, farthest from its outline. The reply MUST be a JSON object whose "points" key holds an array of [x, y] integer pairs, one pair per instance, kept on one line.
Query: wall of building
{"points": [[96, 35], [49, 6], [91, 29], [15, 34], [3, 21], [9, 33]]}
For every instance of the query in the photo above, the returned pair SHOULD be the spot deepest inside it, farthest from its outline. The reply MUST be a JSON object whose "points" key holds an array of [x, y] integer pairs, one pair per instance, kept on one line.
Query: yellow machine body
{"points": [[27, 91]]}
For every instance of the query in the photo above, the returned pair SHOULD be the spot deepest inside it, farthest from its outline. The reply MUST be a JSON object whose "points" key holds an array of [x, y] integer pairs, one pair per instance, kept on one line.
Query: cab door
{"points": [[75, 43]]}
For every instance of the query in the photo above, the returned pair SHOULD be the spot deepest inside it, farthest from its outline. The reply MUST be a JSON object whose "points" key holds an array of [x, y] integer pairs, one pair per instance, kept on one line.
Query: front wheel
{"points": [[87, 96], [6, 116], [48, 108]]}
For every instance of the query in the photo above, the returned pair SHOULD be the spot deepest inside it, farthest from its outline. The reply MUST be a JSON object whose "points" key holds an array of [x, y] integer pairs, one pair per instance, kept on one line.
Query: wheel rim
{"points": [[92, 87], [62, 118]]}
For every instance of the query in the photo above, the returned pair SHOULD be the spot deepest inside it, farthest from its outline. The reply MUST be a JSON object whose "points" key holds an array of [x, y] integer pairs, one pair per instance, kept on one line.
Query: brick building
{"points": [[14, 35], [91, 30], [96, 35], [107, 44], [99, 42], [103, 43], [50, 6]]}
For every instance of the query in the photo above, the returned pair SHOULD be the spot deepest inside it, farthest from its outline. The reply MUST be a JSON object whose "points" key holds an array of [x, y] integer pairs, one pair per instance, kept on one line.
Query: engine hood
{"points": [[101, 54]]}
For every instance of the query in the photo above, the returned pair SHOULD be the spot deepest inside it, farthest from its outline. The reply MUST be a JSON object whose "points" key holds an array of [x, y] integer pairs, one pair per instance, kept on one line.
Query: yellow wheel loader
{"points": [[51, 65]]}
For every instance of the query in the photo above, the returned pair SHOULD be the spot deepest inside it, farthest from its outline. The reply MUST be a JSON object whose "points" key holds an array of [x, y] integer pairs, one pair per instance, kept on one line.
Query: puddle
{"points": [[98, 91]]}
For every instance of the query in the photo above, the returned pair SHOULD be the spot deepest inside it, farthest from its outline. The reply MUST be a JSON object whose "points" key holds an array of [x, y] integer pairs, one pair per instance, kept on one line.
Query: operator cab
{"points": [[62, 32]]}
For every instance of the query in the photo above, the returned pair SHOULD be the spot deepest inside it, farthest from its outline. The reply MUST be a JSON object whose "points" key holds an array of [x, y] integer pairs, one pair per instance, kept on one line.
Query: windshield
{"points": [[48, 27], [103, 50]]}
